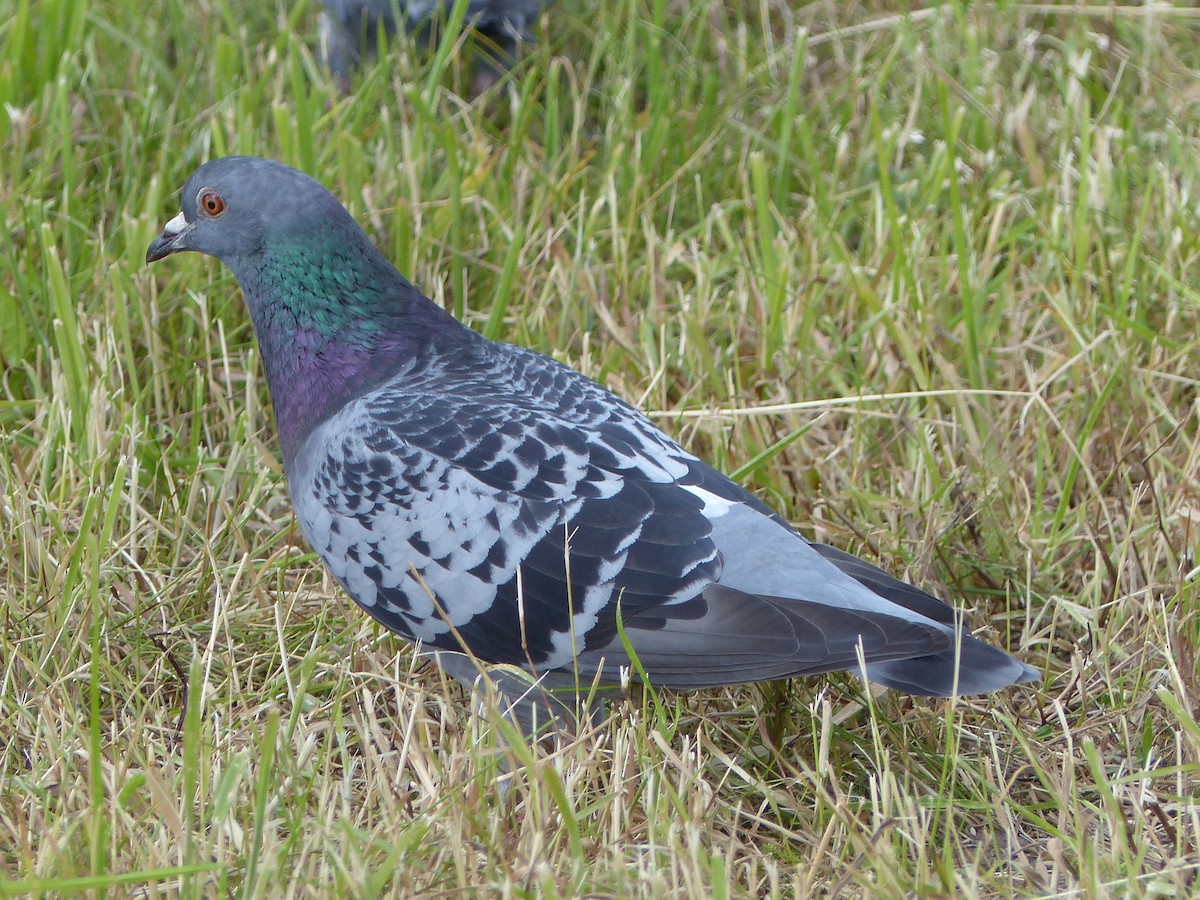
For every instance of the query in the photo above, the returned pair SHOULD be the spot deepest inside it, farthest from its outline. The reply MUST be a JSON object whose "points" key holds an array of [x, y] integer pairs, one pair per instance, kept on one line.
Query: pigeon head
{"points": [[239, 207], [333, 317]]}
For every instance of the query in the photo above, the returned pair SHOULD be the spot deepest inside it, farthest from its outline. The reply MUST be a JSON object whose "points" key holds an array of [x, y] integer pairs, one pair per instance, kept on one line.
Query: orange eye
{"points": [[210, 202]]}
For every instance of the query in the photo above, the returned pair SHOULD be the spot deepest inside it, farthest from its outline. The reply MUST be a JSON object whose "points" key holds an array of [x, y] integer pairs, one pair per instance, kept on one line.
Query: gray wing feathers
{"points": [[742, 637], [763, 556], [886, 585]]}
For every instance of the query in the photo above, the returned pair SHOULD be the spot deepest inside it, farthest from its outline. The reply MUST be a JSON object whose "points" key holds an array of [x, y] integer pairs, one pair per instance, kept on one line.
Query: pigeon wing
{"points": [[476, 517], [519, 513]]}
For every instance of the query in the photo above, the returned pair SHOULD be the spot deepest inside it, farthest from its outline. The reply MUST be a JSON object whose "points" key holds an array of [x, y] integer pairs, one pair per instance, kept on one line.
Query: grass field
{"points": [[925, 282]]}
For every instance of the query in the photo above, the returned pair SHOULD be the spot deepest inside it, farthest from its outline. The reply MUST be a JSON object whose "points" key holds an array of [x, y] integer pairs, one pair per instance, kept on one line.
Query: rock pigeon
{"points": [[479, 497], [348, 27]]}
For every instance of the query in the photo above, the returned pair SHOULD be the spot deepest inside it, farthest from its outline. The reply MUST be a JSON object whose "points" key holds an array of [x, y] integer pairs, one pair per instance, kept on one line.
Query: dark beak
{"points": [[172, 239]]}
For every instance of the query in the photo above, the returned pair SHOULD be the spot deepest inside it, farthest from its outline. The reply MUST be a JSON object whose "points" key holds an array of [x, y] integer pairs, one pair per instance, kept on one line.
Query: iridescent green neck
{"points": [[334, 320]]}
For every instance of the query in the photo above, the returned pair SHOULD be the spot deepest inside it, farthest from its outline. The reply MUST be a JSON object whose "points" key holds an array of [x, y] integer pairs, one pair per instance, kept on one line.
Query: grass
{"points": [[924, 281]]}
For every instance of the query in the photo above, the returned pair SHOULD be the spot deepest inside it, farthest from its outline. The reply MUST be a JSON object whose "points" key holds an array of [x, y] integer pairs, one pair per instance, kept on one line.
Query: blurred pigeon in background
{"points": [[351, 27], [483, 499]]}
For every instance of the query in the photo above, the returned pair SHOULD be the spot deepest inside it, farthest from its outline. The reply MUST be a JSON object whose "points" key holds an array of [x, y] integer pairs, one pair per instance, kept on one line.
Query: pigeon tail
{"points": [[968, 668]]}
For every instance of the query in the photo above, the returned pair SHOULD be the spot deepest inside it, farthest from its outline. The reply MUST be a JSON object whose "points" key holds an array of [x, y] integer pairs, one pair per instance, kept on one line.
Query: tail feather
{"points": [[970, 667]]}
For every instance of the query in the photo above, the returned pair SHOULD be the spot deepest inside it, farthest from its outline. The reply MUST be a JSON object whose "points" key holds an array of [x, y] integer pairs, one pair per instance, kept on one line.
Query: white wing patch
{"points": [[714, 506]]}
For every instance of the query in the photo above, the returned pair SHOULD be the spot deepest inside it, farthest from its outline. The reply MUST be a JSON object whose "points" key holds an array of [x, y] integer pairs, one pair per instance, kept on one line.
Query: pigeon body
{"points": [[350, 27], [477, 496]]}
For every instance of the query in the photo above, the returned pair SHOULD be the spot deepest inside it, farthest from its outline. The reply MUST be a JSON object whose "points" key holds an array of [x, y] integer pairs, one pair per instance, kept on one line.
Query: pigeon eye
{"points": [[210, 202]]}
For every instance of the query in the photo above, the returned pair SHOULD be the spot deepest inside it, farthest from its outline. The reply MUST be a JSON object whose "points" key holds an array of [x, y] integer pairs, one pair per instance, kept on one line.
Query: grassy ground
{"points": [[924, 282]]}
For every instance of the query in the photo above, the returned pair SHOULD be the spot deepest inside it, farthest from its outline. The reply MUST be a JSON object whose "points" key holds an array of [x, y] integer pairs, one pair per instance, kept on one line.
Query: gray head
{"points": [[236, 207]]}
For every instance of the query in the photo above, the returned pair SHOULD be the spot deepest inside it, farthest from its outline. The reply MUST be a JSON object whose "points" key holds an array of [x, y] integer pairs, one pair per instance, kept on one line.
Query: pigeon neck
{"points": [[330, 333]]}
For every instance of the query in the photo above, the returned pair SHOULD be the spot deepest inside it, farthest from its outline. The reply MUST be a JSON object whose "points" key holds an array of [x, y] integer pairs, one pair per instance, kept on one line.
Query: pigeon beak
{"points": [[171, 239]]}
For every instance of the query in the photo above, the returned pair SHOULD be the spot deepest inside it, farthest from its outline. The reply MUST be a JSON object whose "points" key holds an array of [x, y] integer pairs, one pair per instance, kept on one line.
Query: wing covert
{"points": [[523, 526]]}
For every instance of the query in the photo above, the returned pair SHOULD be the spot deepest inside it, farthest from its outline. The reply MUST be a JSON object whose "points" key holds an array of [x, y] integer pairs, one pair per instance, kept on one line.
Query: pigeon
{"points": [[348, 27], [494, 505]]}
